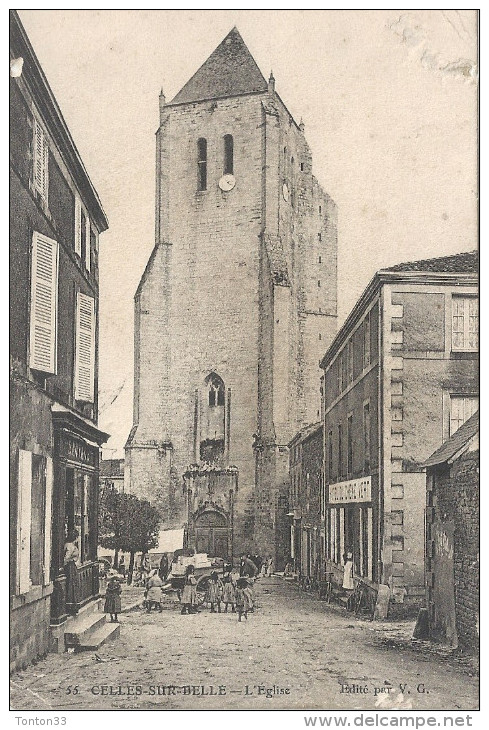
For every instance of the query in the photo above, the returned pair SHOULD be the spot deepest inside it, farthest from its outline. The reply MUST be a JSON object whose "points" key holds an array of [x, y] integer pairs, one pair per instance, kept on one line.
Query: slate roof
{"points": [[111, 467], [306, 432], [230, 70], [456, 442], [458, 263]]}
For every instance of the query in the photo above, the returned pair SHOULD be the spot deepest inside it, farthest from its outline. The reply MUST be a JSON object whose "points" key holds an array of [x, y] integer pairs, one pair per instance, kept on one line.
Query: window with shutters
{"points": [[41, 156], [366, 341], [340, 450], [366, 437], [465, 324], [88, 244], [44, 304], [34, 499], [349, 446], [78, 226], [85, 348], [83, 236]]}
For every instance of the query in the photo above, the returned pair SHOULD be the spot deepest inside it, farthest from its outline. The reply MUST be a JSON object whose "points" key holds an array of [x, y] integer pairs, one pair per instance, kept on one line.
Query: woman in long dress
{"points": [[348, 583], [215, 592], [71, 557], [229, 593], [189, 594], [244, 600], [153, 592], [113, 598]]}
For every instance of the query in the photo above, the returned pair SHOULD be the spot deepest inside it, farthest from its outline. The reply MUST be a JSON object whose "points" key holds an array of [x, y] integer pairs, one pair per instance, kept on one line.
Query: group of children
{"points": [[237, 594]]}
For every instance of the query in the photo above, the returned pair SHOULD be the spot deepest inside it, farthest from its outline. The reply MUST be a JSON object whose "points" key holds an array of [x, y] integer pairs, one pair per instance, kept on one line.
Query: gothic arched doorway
{"points": [[212, 533]]}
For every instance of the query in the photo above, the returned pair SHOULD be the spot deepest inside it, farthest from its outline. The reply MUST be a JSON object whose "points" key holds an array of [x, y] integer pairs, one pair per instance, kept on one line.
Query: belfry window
{"points": [[228, 154], [202, 163], [216, 393]]}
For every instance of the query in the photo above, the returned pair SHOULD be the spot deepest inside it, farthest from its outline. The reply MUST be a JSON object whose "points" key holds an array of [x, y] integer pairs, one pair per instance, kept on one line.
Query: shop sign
{"points": [[77, 450], [354, 490]]}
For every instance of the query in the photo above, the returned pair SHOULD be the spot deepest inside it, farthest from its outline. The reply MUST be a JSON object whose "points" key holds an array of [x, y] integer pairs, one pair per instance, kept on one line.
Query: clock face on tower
{"points": [[227, 183]]}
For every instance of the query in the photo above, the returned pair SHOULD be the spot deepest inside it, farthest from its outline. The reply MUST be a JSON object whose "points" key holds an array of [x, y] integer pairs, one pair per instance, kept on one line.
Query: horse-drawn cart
{"points": [[203, 569]]}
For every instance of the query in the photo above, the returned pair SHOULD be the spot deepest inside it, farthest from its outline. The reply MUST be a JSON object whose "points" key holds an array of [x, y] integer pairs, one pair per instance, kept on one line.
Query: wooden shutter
{"points": [[77, 226], [48, 519], [87, 245], [85, 348], [24, 522], [44, 303], [41, 156]]}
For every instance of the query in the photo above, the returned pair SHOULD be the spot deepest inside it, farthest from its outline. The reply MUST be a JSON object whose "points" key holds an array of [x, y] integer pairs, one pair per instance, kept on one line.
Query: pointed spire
{"points": [[302, 126], [271, 84], [162, 101], [230, 70]]}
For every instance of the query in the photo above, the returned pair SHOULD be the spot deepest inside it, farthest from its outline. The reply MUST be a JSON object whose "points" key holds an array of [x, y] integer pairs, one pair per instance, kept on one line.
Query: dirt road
{"points": [[293, 652]]}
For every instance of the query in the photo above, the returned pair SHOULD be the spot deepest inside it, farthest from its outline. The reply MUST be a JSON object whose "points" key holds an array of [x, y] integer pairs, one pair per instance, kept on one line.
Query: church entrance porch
{"points": [[210, 494]]}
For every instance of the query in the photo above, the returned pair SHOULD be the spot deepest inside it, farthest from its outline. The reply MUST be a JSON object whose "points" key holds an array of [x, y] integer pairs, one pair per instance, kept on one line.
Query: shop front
{"points": [[75, 512], [350, 527]]}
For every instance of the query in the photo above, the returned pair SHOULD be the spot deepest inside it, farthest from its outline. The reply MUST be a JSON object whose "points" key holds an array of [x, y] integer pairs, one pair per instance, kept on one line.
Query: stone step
{"points": [[107, 632], [82, 627]]}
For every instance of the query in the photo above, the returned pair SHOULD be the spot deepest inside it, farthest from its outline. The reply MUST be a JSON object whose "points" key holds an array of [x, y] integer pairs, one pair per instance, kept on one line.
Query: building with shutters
{"points": [[307, 502], [55, 221], [235, 307], [400, 377]]}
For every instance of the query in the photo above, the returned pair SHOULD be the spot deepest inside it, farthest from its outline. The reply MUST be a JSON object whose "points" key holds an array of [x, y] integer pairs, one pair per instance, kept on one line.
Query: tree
{"points": [[109, 522], [140, 526], [128, 524]]}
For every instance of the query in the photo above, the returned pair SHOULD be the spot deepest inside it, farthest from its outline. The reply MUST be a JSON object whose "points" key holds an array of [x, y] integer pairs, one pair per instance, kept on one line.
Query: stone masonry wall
{"points": [[458, 499]]}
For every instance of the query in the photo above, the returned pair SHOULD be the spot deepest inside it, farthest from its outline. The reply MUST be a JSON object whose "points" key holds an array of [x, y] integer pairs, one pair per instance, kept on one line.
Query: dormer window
{"points": [[228, 154], [202, 164]]}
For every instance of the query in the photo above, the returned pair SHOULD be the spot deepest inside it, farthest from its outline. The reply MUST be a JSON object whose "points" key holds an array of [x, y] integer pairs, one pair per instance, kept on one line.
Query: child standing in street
{"points": [[243, 600], [229, 593], [113, 598], [189, 594], [215, 593]]}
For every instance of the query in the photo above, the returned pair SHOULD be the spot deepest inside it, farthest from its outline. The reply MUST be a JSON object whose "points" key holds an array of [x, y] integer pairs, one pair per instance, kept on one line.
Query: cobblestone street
{"points": [[293, 652]]}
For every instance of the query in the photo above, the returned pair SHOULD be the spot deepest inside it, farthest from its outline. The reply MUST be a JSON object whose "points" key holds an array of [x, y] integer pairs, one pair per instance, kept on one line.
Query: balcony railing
{"points": [[87, 587]]}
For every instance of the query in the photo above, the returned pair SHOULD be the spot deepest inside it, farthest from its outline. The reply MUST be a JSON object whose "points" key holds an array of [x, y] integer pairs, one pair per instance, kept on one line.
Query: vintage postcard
{"points": [[244, 361]]}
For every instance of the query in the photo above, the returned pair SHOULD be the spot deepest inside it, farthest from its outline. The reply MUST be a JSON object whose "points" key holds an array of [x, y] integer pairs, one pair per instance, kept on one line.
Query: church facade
{"points": [[236, 305]]}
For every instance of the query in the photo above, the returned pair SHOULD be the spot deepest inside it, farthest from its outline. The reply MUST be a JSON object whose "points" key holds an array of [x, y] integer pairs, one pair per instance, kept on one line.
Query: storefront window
{"points": [[78, 509]]}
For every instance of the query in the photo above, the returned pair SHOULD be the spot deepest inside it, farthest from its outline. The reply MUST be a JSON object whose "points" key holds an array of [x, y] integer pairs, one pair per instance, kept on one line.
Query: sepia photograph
{"points": [[244, 362]]}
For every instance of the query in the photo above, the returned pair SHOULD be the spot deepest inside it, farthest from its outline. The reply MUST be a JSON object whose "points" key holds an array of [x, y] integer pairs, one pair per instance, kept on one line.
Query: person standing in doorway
{"points": [[270, 566], [71, 557], [348, 583]]}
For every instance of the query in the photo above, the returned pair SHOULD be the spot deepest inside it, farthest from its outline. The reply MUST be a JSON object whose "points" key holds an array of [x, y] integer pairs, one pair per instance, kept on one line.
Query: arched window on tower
{"points": [[216, 392], [212, 420], [202, 164], [228, 154]]}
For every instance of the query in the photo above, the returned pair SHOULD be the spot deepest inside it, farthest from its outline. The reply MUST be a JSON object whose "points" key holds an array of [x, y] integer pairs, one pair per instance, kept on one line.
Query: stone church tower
{"points": [[234, 310]]}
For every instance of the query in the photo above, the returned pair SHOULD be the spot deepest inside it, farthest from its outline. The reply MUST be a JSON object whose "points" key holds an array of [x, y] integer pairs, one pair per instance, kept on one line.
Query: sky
{"points": [[389, 102]]}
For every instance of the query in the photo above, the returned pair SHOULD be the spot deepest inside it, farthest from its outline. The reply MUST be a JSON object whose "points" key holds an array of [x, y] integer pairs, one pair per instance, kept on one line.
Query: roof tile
{"points": [[230, 70]]}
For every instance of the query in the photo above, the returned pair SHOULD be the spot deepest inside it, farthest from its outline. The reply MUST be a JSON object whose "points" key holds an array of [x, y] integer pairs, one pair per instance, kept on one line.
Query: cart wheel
{"points": [[201, 588]]}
